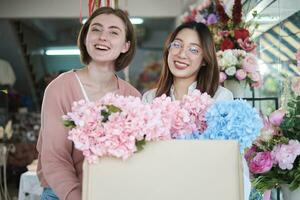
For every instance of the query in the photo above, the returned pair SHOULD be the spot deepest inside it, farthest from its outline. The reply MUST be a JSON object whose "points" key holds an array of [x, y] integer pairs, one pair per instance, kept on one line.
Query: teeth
{"points": [[102, 47], [181, 64]]}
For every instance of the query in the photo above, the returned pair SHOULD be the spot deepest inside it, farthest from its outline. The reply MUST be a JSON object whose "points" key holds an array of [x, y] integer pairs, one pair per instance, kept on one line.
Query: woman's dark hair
{"points": [[124, 58], [208, 75]]}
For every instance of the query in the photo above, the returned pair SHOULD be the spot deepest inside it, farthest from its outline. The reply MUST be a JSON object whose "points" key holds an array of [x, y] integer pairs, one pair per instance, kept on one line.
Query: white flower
{"points": [[229, 59], [266, 135], [230, 71]]}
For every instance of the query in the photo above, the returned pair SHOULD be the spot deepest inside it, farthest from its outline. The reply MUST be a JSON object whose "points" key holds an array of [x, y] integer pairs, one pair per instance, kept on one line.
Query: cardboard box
{"points": [[169, 170]]}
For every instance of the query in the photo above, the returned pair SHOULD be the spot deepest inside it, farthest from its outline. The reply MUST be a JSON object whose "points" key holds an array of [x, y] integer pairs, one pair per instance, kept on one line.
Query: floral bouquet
{"points": [[118, 126], [239, 65], [231, 32], [274, 158], [232, 38]]}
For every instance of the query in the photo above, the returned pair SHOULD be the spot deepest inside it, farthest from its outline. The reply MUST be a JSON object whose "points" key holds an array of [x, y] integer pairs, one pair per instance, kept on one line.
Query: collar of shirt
{"points": [[191, 88]]}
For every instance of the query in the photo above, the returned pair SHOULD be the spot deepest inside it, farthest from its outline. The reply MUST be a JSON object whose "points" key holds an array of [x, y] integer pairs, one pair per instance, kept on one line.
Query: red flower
{"points": [[226, 44], [241, 34]]}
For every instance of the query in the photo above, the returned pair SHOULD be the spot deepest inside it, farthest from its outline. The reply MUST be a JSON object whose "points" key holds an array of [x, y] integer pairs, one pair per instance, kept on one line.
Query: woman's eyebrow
{"points": [[110, 27], [196, 44]]}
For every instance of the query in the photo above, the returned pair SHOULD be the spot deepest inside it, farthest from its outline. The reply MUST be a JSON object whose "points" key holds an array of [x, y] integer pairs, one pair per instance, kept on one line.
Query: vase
{"points": [[238, 88], [288, 194]]}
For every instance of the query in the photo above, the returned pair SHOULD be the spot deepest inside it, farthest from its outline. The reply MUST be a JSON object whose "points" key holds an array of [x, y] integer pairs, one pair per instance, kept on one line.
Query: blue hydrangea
{"points": [[230, 120], [233, 120]]}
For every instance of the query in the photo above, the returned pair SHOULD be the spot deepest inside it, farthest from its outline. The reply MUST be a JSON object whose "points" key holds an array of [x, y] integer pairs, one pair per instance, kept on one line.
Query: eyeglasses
{"points": [[192, 50]]}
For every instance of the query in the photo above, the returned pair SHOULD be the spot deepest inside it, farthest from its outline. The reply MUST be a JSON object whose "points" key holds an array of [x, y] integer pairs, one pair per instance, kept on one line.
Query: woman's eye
{"points": [[114, 33], [176, 45], [194, 50]]}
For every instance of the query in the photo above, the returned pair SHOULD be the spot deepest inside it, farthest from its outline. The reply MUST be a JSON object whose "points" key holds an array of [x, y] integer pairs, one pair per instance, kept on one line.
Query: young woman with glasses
{"points": [[190, 63]]}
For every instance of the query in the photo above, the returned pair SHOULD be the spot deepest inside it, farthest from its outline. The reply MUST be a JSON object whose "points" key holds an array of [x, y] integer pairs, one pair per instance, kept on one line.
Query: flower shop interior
{"points": [[39, 42]]}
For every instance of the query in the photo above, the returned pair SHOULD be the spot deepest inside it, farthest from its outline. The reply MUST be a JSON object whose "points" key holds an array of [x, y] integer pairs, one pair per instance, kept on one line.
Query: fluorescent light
{"points": [[62, 51], [136, 20]]}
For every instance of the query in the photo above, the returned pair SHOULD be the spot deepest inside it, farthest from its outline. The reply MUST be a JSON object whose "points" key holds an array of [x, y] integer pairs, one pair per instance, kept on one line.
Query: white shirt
{"points": [[220, 95]]}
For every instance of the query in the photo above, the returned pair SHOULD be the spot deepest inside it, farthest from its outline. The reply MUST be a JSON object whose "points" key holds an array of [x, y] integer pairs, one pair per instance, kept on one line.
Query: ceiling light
{"points": [[136, 20], [62, 51]]}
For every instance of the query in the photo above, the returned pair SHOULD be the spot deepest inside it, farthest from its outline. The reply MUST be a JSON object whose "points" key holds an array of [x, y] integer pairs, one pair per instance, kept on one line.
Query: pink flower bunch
{"points": [[273, 158], [239, 65], [196, 105], [103, 129], [282, 155], [285, 154], [114, 125]]}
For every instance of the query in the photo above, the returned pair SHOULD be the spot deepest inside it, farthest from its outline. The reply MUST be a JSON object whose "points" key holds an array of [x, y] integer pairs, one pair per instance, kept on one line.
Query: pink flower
{"points": [[268, 131], [255, 76], [257, 84], [246, 44], [296, 85], [223, 77], [285, 154], [276, 117], [249, 63], [223, 33], [240, 74], [261, 163]]}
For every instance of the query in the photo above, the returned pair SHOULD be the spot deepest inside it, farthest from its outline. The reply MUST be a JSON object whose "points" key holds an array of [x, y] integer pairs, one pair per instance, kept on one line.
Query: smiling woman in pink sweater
{"points": [[107, 44]]}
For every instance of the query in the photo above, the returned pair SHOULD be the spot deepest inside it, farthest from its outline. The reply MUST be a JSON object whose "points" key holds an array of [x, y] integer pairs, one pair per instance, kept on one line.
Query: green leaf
{"points": [[69, 124], [109, 110], [113, 108], [140, 144]]}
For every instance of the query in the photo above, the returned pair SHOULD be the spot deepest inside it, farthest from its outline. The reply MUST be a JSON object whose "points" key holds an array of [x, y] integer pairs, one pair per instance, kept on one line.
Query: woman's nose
{"points": [[182, 52], [103, 35]]}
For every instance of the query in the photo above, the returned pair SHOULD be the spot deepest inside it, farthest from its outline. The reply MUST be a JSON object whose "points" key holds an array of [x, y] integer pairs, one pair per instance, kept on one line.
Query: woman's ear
{"points": [[126, 47]]}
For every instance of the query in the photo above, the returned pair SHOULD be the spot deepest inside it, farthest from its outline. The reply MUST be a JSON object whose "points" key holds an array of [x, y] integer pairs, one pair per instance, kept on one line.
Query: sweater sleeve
{"points": [[56, 150]]}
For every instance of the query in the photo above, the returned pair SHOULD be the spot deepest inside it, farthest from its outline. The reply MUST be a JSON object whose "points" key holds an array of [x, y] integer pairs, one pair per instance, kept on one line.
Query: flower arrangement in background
{"points": [[118, 126], [149, 77], [274, 158], [232, 37], [230, 32], [233, 32], [239, 65], [205, 12]]}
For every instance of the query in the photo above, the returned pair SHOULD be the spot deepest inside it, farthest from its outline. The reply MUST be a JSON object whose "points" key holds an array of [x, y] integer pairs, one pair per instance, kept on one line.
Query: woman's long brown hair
{"points": [[208, 75]]}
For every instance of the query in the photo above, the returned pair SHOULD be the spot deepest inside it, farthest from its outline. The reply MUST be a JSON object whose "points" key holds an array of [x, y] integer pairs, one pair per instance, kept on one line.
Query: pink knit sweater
{"points": [[60, 165]]}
